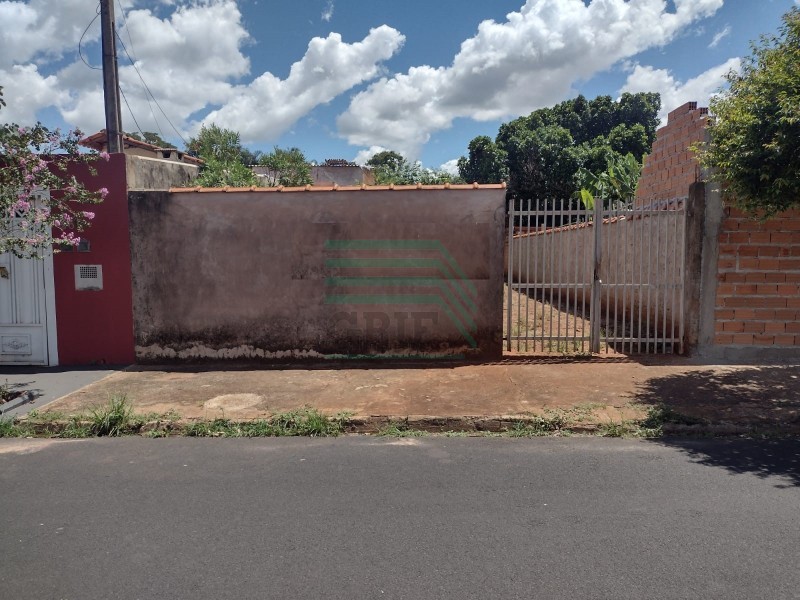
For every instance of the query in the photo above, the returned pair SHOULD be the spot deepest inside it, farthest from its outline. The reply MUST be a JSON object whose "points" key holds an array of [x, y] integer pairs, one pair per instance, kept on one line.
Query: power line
{"points": [[133, 64], [138, 128], [80, 41]]}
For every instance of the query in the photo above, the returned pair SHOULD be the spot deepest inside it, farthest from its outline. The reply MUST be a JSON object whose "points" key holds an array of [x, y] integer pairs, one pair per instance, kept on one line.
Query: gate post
{"points": [[594, 309], [510, 290]]}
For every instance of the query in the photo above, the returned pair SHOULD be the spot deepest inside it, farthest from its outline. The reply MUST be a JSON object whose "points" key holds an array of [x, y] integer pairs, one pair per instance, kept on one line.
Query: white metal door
{"points": [[27, 311]]}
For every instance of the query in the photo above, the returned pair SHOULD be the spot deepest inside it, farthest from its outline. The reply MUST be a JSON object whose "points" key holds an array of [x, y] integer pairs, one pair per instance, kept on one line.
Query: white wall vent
{"points": [[88, 277]]}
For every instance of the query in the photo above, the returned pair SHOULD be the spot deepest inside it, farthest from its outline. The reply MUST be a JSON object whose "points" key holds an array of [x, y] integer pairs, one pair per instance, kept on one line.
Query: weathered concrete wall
{"points": [[145, 173], [267, 274]]}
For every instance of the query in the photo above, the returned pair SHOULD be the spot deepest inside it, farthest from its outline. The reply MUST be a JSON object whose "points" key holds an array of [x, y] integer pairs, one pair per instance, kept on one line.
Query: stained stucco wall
{"points": [[245, 275]]}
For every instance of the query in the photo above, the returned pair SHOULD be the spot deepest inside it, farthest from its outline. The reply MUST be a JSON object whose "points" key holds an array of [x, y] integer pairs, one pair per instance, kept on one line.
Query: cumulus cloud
{"points": [[42, 29], [510, 68], [675, 93], [364, 155], [719, 36], [186, 64], [329, 67], [25, 89], [451, 166]]}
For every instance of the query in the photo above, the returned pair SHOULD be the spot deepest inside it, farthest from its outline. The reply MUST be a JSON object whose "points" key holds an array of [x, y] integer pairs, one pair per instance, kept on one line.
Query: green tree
{"points": [[486, 162], [754, 147], [390, 167], [545, 149], [150, 138], [616, 185], [286, 167], [221, 149]]}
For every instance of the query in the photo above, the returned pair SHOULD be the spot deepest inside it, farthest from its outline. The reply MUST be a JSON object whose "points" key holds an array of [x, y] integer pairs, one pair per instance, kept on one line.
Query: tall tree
{"points": [[486, 162], [754, 147], [286, 167], [221, 149], [545, 149], [150, 137], [390, 167]]}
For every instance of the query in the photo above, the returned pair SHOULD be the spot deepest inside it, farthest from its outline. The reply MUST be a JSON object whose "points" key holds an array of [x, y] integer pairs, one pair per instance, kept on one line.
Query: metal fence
{"points": [[574, 287]]}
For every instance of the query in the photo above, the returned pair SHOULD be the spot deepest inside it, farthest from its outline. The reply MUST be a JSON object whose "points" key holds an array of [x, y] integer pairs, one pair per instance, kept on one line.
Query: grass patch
{"points": [[550, 423], [304, 422], [114, 419], [400, 429]]}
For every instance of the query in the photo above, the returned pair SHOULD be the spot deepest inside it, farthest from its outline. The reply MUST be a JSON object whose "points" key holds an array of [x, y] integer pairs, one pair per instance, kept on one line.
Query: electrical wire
{"points": [[133, 64], [80, 53], [138, 128]]}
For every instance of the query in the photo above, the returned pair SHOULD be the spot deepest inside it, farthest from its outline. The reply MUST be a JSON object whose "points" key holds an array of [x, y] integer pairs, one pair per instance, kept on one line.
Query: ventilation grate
{"points": [[88, 277]]}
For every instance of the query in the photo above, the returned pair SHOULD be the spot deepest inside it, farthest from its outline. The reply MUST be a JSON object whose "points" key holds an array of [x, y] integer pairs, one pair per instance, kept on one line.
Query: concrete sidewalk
{"points": [[605, 389]]}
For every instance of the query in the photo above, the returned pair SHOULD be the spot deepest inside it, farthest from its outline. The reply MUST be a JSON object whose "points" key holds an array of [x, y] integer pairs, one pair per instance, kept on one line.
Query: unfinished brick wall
{"points": [[671, 168], [758, 293]]}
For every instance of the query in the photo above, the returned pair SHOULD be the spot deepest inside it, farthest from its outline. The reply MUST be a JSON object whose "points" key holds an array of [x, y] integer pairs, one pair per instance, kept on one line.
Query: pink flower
{"points": [[88, 215], [105, 155], [103, 192]]}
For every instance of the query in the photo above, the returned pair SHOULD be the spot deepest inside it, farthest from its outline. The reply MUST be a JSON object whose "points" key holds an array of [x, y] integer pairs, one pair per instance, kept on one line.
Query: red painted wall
{"points": [[96, 327]]}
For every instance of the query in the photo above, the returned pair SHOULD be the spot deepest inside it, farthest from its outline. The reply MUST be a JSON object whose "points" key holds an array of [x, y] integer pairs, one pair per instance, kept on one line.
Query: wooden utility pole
{"points": [[110, 78]]}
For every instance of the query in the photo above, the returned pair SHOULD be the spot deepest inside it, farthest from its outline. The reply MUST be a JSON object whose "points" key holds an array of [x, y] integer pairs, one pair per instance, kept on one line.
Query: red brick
{"points": [[756, 277], [724, 314], [751, 327], [787, 315], [724, 339], [736, 327], [743, 338], [763, 340], [765, 289], [793, 327], [769, 264], [774, 327], [760, 237], [789, 290], [738, 237], [774, 277], [728, 289], [748, 313], [785, 340]]}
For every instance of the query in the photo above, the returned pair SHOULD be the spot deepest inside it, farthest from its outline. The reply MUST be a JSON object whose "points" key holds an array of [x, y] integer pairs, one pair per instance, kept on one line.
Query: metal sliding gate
{"points": [[599, 280]]}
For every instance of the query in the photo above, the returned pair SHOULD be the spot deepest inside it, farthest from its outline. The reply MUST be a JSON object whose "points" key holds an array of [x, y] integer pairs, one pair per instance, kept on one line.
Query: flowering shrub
{"points": [[40, 203]]}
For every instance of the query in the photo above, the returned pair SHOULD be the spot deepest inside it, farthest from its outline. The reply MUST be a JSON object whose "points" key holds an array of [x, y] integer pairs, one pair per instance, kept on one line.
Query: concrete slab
{"points": [[43, 385]]}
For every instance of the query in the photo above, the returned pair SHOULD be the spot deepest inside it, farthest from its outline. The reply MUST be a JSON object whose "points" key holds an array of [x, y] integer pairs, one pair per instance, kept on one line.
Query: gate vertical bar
{"points": [[594, 308], [510, 272]]}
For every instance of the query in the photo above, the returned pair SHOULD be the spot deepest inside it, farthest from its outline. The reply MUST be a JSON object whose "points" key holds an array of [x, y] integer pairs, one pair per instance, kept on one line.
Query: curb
{"points": [[23, 398]]}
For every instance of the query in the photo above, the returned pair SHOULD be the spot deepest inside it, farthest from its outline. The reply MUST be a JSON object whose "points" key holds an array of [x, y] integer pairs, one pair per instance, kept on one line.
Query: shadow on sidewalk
{"points": [[767, 398]]}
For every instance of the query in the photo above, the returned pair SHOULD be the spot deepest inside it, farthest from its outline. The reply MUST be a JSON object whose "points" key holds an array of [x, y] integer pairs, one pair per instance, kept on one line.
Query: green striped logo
{"points": [[416, 273]]}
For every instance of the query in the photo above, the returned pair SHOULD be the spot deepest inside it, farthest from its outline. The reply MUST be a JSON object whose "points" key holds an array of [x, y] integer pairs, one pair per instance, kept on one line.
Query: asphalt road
{"points": [[363, 517]]}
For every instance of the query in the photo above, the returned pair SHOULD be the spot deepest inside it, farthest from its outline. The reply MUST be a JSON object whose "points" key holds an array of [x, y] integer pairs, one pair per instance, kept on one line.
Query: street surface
{"points": [[365, 517]]}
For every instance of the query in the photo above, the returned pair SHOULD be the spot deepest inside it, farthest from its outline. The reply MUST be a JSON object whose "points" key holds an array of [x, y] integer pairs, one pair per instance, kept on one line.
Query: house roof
{"points": [[99, 141], [350, 188]]}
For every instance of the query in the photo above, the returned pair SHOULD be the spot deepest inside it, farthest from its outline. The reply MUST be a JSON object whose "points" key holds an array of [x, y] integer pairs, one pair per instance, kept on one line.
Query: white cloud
{"points": [[674, 93], [24, 90], [327, 14], [507, 69], [451, 166], [42, 29], [329, 67], [188, 66], [364, 155], [719, 36]]}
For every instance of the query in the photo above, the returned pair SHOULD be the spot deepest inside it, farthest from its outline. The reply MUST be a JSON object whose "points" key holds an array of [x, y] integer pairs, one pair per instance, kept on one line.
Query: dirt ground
{"points": [[598, 390]]}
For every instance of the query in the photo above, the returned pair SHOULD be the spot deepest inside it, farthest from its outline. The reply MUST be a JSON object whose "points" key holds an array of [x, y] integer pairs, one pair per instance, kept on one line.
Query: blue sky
{"points": [[343, 79]]}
